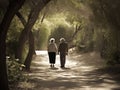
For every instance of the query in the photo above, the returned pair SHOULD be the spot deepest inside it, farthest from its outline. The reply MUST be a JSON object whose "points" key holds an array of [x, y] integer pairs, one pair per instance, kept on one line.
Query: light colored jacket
{"points": [[52, 47]]}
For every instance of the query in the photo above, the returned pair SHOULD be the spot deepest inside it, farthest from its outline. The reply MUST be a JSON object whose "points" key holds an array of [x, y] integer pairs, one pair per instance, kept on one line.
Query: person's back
{"points": [[63, 47], [63, 51], [52, 47]]}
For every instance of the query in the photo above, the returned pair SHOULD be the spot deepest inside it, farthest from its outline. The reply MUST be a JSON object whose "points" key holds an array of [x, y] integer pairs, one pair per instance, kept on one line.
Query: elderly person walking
{"points": [[52, 50], [63, 51]]}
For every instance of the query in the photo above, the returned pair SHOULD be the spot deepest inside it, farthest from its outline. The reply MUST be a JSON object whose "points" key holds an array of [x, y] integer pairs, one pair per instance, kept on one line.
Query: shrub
{"points": [[14, 70]]}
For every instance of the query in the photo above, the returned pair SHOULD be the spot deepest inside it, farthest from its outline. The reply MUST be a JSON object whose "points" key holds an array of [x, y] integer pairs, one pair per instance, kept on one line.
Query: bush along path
{"points": [[83, 72]]}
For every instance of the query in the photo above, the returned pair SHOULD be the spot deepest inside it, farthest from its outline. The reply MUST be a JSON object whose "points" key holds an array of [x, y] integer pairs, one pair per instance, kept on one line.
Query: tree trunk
{"points": [[4, 26], [28, 60], [31, 44], [3, 72], [31, 21], [23, 21]]}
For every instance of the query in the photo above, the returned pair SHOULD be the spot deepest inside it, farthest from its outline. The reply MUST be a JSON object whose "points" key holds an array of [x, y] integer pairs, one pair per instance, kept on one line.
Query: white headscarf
{"points": [[52, 40], [62, 39]]}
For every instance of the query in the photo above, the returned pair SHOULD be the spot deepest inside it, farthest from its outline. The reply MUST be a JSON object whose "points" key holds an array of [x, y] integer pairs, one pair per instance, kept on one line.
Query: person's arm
{"points": [[48, 47], [59, 49], [66, 48], [56, 48]]}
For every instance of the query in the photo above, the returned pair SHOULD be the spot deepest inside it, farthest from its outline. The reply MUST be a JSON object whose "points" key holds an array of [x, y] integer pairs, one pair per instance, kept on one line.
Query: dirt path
{"points": [[82, 72]]}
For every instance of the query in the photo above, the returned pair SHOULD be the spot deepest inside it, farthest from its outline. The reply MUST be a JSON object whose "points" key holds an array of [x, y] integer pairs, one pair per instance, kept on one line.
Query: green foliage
{"points": [[13, 36], [113, 58], [15, 73], [41, 37], [61, 31], [106, 17], [109, 48], [103, 11], [85, 39]]}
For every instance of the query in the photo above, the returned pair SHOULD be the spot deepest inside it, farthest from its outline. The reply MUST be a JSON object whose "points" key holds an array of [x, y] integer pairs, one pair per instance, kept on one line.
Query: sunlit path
{"points": [[69, 63], [80, 74]]}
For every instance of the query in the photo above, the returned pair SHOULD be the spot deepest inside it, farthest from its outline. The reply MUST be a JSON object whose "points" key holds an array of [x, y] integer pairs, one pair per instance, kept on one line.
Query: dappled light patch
{"points": [[79, 74], [41, 52], [27, 85]]}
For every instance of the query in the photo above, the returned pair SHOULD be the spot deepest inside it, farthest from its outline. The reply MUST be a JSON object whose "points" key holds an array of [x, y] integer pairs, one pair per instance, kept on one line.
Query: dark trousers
{"points": [[62, 59], [52, 57]]}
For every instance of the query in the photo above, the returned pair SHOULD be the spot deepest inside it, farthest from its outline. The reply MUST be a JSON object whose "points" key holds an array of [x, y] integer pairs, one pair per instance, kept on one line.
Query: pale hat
{"points": [[62, 39], [52, 40]]}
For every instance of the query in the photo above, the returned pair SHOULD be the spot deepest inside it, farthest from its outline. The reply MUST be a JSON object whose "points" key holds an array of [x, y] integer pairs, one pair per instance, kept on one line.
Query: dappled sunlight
{"points": [[57, 19], [77, 75], [54, 21], [27, 85], [69, 62], [85, 68], [44, 52]]}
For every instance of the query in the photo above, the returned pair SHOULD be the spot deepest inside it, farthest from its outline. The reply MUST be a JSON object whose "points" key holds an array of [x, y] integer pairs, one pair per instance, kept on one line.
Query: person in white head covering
{"points": [[63, 50], [52, 50]]}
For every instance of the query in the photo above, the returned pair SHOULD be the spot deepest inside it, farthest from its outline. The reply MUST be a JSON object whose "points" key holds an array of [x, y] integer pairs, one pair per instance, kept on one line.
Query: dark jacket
{"points": [[63, 47]]}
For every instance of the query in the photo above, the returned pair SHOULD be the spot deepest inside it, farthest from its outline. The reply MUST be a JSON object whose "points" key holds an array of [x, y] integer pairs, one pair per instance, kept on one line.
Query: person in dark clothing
{"points": [[63, 51]]}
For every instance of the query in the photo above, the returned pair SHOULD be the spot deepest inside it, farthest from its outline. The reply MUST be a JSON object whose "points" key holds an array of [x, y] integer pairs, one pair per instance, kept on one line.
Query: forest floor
{"points": [[85, 71]]}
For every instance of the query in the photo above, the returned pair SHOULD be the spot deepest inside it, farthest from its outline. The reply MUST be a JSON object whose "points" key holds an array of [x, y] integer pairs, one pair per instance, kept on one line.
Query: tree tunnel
{"points": [[26, 26]]}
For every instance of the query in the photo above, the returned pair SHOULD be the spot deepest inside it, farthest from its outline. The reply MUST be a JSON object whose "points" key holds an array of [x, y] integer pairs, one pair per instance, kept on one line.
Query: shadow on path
{"points": [[82, 72]]}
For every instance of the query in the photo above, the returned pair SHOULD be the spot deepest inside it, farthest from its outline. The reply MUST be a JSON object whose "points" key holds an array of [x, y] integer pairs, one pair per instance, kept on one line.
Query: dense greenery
{"points": [[106, 17], [15, 73], [41, 37]]}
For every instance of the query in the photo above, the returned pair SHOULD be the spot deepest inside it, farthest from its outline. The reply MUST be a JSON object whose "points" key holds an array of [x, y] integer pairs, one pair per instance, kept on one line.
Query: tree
{"points": [[13, 7], [106, 13], [25, 33], [31, 43]]}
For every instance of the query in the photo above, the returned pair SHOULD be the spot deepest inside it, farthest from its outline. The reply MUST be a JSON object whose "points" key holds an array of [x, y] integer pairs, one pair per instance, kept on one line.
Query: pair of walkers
{"points": [[62, 50]]}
